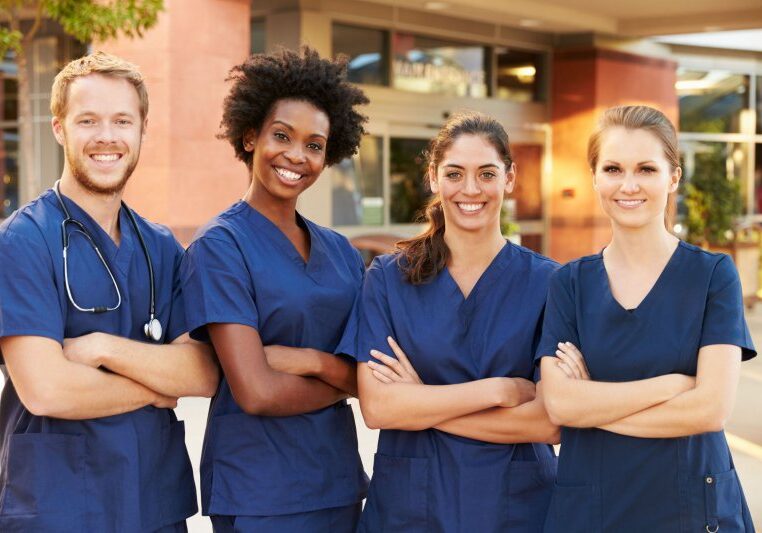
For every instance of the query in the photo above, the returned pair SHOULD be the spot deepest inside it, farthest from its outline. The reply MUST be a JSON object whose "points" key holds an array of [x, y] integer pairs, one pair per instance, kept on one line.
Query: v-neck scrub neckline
{"points": [[655, 289]]}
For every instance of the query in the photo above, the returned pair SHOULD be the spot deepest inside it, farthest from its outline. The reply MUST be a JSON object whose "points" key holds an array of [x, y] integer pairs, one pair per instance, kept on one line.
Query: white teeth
{"points": [[629, 203], [287, 174], [470, 207], [105, 157]]}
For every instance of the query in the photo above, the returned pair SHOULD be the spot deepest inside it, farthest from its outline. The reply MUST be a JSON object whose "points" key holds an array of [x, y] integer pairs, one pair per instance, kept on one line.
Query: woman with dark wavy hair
{"points": [[273, 292], [464, 433]]}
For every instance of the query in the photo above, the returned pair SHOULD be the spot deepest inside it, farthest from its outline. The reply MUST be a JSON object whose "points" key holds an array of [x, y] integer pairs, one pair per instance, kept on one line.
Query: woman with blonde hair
{"points": [[640, 355]]}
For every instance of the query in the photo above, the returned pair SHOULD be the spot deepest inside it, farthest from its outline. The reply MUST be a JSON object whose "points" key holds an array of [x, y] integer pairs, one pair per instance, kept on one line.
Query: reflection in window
{"points": [[711, 101], [367, 51], [358, 196], [9, 138], [428, 65], [759, 105], [758, 178], [519, 75], [718, 173], [9, 173], [409, 194], [258, 45]]}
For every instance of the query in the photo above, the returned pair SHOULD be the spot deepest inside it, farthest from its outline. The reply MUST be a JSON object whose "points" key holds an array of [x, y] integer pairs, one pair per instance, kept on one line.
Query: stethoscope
{"points": [[152, 329]]}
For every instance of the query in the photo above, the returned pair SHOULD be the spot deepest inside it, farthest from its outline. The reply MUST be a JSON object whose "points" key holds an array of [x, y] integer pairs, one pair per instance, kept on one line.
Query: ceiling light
{"points": [[529, 23], [436, 6]]}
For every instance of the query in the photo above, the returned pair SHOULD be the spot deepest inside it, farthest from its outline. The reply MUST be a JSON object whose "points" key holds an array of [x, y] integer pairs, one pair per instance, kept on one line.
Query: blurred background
{"points": [[544, 68]]}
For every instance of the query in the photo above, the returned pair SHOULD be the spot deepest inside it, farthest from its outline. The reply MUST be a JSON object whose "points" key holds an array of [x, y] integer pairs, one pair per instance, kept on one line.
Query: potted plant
{"points": [[713, 206]]}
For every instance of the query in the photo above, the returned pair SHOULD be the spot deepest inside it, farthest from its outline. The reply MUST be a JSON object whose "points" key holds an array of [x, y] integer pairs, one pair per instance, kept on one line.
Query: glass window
{"points": [[9, 175], [358, 196], [258, 45], [367, 51], [711, 101], [528, 190], [428, 65], [713, 186], [758, 178], [408, 192], [519, 75], [759, 105]]}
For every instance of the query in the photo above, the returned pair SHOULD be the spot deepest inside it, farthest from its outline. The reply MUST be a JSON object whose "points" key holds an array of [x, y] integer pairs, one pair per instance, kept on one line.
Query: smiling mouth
{"points": [[629, 204], [105, 158], [288, 175], [470, 207]]}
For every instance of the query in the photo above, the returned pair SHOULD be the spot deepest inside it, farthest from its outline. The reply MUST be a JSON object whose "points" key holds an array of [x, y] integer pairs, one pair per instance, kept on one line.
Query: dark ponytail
{"points": [[424, 256]]}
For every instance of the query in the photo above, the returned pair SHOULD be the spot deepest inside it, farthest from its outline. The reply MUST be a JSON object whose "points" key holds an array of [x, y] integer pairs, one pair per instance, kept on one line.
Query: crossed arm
{"points": [[667, 406], [500, 410], [278, 380]]}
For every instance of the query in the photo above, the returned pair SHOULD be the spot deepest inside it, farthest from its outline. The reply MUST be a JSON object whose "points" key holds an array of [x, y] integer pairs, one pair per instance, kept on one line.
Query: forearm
{"points": [[332, 369], [281, 394], [528, 422], [181, 369], [415, 407], [587, 403], [82, 392], [689, 413]]}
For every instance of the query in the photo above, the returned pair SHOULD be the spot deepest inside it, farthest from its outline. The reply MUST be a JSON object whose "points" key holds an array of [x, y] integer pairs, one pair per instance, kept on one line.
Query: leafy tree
{"points": [[712, 198], [85, 20]]}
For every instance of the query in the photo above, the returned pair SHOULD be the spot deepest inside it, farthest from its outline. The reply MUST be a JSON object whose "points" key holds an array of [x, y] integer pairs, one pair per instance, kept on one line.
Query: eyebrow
{"points": [[647, 162], [291, 128], [455, 165]]}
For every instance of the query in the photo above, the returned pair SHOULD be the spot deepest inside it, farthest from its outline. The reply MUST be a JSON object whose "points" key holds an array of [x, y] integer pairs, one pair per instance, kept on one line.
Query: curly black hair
{"points": [[263, 79]]}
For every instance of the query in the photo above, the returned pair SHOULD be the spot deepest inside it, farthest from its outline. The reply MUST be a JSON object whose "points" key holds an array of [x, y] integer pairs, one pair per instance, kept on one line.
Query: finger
{"points": [[565, 369], [385, 370], [571, 359], [380, 377], [580, 358], [391, 362], [569, 364], [401, 356]]}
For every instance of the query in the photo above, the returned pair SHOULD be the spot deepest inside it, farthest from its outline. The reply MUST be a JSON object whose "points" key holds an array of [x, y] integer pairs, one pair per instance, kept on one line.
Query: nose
{"points": [[106, 133], [630, 184], [471, 185], [295, 155]]}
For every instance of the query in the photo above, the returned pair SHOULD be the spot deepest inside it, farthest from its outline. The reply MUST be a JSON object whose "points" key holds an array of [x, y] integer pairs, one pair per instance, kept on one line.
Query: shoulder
{"points": [[157, 234], [331, 237], [535, 260], [705, 259], [31, 223], [222, 227]]}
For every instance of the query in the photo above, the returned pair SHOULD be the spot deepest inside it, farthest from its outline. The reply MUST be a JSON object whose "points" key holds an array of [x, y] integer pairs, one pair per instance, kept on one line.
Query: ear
{"points": [[58, 132], [595, 182], [510, 178], [433, 183], [249, 140], [144, 130], [674, 179]]}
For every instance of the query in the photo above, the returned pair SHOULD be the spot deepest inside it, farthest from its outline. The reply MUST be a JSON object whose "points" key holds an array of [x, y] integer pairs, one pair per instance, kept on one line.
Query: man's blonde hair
{"points": [[96, 63]]}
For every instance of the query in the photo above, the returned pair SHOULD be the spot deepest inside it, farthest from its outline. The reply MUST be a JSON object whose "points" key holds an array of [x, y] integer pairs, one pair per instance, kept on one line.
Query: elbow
{"points": [[371, 415], [253, 403], [714, 419], [557, 412], [210, 383], [40, 403]]}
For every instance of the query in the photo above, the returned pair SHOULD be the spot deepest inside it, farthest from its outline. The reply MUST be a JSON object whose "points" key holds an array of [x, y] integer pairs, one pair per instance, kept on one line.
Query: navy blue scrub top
{"points": [[434, 481], [121, 473], [242, 269], [612, 482]]}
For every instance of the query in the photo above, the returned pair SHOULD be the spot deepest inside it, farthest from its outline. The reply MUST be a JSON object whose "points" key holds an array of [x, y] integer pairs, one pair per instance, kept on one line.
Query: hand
{"points": [[87, 350], [391, 370], [515, 391], [295, 361], [571, 361], [164, 402]]}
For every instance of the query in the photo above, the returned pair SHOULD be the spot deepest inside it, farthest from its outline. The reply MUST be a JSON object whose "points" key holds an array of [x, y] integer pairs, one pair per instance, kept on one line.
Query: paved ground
{"points": [[744, 430]]}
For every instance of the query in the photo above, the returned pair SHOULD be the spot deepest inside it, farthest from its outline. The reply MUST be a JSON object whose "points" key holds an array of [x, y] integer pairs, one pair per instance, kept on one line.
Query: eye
{"points": [[280, 136], [452, 175], [488, 175], [123, 122], [648, 170], [86, 122], [610, 169], [315, 147]]}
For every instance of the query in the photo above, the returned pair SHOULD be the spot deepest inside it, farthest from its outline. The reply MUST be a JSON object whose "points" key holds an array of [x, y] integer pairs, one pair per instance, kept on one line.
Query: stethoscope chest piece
{"points": [[152, 329]]}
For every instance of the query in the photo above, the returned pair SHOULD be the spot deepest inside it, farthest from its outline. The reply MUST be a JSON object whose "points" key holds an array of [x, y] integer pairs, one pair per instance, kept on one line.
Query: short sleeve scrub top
{"points": [[612, 482], [242, 269], [123, 473], [432, 481]]}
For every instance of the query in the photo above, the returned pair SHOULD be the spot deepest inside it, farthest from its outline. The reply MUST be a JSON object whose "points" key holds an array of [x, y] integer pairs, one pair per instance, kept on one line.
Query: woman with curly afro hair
{"points": [[273, 292]]}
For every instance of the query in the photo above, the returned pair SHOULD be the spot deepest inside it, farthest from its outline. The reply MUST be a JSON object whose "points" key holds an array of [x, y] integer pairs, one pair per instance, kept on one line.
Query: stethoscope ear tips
{"points": [[152, 329]]}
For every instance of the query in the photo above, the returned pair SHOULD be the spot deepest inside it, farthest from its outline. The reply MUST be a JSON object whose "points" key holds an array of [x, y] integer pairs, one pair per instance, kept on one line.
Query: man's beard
{"points": [[83, 177]]}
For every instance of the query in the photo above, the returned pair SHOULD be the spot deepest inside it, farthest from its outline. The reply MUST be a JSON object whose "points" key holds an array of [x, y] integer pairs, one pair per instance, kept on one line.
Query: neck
{"points": [[641, 246], [103, 208], [473, 247], [282, 213]]}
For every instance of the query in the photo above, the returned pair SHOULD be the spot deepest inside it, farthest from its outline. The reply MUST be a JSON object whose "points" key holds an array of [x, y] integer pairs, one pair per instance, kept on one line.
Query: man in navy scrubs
{"points": [[92, 332]]}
